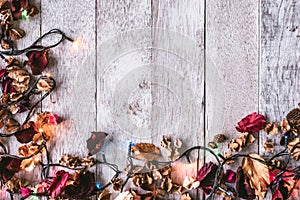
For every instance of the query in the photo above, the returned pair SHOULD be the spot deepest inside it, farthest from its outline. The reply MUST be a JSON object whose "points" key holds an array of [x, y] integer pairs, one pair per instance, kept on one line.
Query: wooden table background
{"points": [[185, 68]]}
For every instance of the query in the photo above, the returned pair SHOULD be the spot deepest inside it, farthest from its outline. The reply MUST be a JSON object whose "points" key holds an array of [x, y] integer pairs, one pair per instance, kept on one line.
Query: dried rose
{"points": [[25, 133], [95, 142], [38, 61], [8, 167], [251, 123], [83, 186], [206, 176], [229, 176], [58, 183]]}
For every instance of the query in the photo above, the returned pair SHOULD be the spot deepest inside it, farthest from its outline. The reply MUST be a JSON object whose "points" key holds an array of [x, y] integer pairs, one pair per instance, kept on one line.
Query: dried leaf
{"points": [[38, 61], [185, 196], [271, 128], [145, 151], [95, 142], [190, 183], [16, 33], [11, 125], [258, 174], [26, 133], [104, 195], [45, 84]]}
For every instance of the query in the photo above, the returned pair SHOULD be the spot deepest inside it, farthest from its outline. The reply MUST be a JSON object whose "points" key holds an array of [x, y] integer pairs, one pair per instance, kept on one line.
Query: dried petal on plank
{"points": [[11, 125], [185, 196], [95, 142], [269, 146], [251, 123], [237, 145], [45, 84], [104, 195], [271, 128], [16, 33], [145, 151]]}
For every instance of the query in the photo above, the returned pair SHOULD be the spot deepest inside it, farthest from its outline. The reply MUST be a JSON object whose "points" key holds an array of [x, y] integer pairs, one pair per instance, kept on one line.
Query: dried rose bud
{"points": [[269, 146], [220, 138], [271, 128]]}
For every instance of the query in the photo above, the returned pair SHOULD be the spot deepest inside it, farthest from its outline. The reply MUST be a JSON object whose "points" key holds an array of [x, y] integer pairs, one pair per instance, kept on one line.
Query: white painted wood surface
{"points": [[147, 68]]}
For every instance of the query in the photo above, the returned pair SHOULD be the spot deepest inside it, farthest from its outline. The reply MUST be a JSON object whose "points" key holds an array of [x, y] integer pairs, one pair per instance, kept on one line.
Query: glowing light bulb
{"points": [[25, 14], [75, 44], [98, 185], [41, 130]]}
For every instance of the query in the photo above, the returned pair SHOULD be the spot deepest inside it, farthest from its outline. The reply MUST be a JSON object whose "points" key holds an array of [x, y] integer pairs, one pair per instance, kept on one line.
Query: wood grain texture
{"points": [[280, 57], [232, 52], [178, 78], [123, 92], [74, 70]]}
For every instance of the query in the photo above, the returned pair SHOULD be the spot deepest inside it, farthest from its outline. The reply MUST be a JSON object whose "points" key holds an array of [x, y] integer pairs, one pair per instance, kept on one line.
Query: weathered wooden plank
{"points": [[73, 67], [123, 94], [232, 57], [178, 77], [279, 70]]}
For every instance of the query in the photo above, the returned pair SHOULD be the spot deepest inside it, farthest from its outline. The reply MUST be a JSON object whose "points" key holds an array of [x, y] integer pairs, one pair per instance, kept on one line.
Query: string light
{"points": [[25, 14]]}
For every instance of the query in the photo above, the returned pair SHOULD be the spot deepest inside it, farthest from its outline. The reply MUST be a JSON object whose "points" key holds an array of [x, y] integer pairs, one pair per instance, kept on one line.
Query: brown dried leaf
{"points": [[145, 151], [271, 128], [117, 183], [11, 125], [185, 196], [45, 85], [21, 79], [5, 44], [16, 33], [95, 142], [296, 149], [269, 146], [4, 99], [104, 195], [15, 97], [258, 174], [3, 114], [69, 161]]}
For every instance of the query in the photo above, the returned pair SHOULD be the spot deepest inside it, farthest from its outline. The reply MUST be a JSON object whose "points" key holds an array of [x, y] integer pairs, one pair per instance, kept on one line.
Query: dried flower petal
{"points": [[104, 195], [11, 125], [145, 151], [206, 176], [251, 123], [69, 161], [25, 192], [58, 184], [45, 84], [25, 133], [271, 128], [230, 176], [16, 33], [95, 142], [38, 61], [269, 146], [185, 196], [243, 187], [190, 183]]}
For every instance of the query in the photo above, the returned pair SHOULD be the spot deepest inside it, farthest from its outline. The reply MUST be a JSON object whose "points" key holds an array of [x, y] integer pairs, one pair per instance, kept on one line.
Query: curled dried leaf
{"points": [[294, 148], [16, 33], [145, 151], [15, 97], [271, 128], [258, 174], [3, 114], [88, 162], [284, 125], [6, 44], [11, 61], [185, 196], [237, 145], [69, 161], [21, 79], [4, 99], [117, 183], [45, 84], [104, 195], [11, 125], [269, 146], [229, 161]]}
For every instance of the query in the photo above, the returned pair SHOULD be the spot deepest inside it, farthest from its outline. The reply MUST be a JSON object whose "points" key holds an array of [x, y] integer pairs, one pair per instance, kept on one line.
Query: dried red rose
{"points": [[206, 176], [8, 168], [25, 133], [83, 186], [251, 123], [230, 176], [58, 184], [38, 61]]}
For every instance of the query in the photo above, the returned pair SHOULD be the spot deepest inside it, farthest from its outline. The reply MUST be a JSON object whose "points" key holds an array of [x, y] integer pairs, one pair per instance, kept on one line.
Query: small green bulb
{"points": [[25, 14]]}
